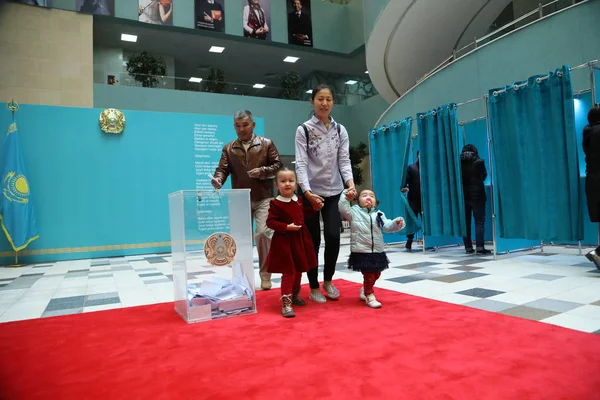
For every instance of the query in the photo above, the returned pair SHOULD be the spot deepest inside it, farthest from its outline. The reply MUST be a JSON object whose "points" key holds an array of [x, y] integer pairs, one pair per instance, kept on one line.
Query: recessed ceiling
{"points": [[244, 61]]}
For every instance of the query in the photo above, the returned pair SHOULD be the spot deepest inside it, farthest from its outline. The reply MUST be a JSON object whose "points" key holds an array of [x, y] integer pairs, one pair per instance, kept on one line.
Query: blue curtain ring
{"points": [[433, 112], [516, 87], [374, 131], [421, 116], [559, 74], [395, 125], [495, 93], [538, 80], [384, 128]]}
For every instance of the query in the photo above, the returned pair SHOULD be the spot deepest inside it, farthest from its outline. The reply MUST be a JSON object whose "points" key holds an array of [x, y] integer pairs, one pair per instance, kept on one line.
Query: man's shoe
{"points": [[593, 257], [265, 285]]}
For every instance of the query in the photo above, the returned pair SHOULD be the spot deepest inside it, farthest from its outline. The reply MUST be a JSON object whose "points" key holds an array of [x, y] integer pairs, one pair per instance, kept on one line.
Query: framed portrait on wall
{"points": [[299, 23], [157, 12], [96, 7], [256, 19], [210, 15]]}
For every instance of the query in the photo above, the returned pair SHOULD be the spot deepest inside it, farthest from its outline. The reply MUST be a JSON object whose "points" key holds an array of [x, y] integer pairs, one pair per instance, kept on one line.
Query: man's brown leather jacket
{"points": [[235, 160]]}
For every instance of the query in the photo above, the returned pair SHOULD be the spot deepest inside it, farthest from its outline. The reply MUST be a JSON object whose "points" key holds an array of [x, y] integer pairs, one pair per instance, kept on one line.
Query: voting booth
{"points": [[211, 242]]}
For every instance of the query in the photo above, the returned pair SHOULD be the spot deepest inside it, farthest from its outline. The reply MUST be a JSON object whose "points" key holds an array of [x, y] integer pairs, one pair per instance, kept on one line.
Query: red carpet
{"points": [[413, 348]]}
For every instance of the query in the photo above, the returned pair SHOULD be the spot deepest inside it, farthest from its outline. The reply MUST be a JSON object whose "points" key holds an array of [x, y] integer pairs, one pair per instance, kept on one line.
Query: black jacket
{"points": [[413, 183], [591, 148], [473, 177]]}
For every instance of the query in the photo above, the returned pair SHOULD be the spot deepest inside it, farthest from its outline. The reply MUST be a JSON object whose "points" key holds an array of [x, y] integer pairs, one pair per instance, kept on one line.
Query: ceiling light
{"points": [[366, 72], [216, 49], [351, 82], [197, 80], [258, 86], [128, 38], [291, 59], [309, 91]]}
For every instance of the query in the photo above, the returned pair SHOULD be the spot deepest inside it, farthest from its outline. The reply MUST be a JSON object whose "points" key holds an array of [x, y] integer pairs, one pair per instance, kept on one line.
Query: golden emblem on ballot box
{"points": [[112, 121], [220, 249]]}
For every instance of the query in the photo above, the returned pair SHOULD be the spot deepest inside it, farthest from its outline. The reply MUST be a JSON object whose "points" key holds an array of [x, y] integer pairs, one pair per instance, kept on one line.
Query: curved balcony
{"points": [[560, 38], [414, 38]]}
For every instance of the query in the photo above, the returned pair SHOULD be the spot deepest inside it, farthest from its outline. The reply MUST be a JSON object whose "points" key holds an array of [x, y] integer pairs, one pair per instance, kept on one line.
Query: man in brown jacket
{"points": [[252, 162]]}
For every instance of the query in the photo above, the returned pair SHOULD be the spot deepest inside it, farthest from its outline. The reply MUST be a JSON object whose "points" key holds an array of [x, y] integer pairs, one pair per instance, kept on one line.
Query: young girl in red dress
{"points": [[292, 251]]}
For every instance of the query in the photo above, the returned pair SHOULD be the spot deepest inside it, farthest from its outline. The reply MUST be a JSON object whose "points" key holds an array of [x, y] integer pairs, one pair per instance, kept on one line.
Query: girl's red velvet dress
{"points": [[291, 251]]}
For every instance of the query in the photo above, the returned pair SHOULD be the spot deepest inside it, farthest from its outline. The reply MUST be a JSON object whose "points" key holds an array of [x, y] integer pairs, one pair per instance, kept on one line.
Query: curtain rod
{"points": [[462, 123], [582, 91], [516, 87], [470, 101]]}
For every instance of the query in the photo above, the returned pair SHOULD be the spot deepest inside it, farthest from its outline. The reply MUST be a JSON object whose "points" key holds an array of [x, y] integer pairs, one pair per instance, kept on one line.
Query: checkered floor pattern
{"points": [[556, 286]]}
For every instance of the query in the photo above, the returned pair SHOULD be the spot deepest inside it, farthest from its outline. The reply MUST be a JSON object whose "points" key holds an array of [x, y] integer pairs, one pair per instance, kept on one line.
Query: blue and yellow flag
{"points": [[16, 208]]}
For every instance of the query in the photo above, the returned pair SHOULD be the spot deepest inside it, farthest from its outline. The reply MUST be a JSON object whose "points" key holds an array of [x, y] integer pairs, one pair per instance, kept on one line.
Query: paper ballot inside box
{"points": [[219, 289]]}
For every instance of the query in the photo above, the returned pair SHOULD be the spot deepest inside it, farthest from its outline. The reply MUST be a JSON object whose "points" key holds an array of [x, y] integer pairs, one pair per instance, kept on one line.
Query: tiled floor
{"points": [[557, 286]]}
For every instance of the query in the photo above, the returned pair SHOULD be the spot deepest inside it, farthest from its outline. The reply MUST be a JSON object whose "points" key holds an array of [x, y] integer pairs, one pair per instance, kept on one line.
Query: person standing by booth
{"points": [[323, 168], [413, 187], [591, 148], [474, 175], [252, 162]]}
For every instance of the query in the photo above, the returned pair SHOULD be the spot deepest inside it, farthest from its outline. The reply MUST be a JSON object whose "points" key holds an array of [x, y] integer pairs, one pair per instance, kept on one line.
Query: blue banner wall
{"points": [[101, 195]]}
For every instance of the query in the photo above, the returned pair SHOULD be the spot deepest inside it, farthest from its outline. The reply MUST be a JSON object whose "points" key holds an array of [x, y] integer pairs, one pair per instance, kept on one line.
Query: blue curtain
{"points": [[389, 148], [535, 158], [441, 181]]}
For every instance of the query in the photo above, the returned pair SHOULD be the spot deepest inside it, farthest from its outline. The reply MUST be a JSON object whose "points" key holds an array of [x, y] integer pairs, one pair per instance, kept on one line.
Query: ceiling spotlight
{"points": [[258, 86], [128, 38], [366, 72], [197, 80], [216, 49], [351, 82], [309, 91], [291, 59]]}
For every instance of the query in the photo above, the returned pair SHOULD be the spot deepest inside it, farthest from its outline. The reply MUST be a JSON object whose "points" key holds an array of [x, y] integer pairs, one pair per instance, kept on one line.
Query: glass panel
{"points": [[213, 269]]}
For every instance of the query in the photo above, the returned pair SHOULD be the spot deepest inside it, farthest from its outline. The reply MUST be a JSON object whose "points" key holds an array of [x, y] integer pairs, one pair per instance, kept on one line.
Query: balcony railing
{"points": [[351, 94], [543, 10]]}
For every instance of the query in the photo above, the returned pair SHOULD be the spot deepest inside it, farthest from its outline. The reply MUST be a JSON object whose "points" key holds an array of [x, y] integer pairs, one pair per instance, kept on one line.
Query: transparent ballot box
{"points": [[211, 244]]}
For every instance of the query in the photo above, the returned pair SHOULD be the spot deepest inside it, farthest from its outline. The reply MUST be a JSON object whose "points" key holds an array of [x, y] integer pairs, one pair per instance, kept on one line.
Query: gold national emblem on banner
{"points": [[220, 249], [16, 188], [112, 121]]}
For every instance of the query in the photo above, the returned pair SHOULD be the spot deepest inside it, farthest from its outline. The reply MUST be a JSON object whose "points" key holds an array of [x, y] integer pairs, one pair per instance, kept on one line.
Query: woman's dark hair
{"points": [[594, 115], [471, 148], [319, 87]]}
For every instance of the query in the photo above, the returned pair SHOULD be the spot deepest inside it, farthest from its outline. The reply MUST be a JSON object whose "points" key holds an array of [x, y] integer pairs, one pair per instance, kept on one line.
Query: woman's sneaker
{"points": [[317, 296], [330, 290]]}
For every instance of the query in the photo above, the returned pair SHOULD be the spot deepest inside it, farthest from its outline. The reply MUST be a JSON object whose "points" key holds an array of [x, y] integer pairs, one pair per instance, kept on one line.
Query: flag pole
{"points": [[14, 106]]}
